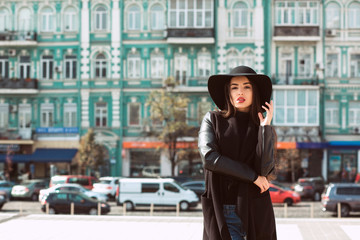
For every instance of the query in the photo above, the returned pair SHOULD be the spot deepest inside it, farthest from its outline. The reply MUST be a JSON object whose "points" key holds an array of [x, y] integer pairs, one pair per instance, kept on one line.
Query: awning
{"points": [[16, 158], [53, 155], [43, 155]]}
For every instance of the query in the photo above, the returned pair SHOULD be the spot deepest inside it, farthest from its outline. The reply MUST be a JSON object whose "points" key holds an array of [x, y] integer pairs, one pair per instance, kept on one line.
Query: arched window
{"points": [[354, 15], [134, 18], [134, 66], [101, 18], [247, 58], [5, 20], [70, 20], [240, 15], [332, 15], [232, 60], [204, 64], [157, 17], [47, 20], [157, 65], [100, 66], [25, 20]]}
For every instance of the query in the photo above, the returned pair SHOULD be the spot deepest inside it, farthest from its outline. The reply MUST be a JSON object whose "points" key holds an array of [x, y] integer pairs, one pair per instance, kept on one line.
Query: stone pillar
{"points": [[115, 40], [222, 32], [85, 41], [85, 95], [258, 26], [116, 108]]}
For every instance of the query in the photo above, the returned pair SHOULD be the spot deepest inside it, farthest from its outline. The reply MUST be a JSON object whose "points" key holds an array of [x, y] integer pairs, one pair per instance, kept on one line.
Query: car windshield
{"points": [[105, 181]]}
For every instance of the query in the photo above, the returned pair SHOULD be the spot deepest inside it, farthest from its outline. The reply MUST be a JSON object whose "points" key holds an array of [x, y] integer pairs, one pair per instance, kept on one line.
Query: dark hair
{"points": [[255, 107]]}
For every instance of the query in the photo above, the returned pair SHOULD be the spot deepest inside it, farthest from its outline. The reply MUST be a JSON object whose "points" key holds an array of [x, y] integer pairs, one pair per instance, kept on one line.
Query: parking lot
{"points": [[302, 210]]}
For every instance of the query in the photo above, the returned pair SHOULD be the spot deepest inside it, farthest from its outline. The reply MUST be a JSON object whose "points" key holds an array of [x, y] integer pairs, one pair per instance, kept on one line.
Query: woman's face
{"points": [[241, 93]]}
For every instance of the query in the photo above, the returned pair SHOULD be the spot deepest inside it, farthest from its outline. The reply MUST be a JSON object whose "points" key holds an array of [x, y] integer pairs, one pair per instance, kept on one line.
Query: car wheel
{"points": [[317, 196], [345, 210], [93, 211], [128, 205], [288, 201], [184, 206], [52, 211], [34, 197]]}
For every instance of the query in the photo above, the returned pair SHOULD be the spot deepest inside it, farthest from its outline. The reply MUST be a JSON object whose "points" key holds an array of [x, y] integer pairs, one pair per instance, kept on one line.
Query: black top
{"points": [[229, 185]]}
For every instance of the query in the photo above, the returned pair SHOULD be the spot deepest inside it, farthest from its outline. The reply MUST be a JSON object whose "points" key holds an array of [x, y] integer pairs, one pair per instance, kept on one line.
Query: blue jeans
{"points": [[233, 223]]}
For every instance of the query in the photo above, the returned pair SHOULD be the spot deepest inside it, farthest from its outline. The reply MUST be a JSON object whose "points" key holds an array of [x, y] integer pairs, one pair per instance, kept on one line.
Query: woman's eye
{"points": [[234, 88]]}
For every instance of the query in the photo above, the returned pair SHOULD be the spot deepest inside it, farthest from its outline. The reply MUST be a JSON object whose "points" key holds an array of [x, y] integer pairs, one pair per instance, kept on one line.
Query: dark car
{"points": [[310, 187], [197, 186], [347, 194], [2, 199], [60, 202]]}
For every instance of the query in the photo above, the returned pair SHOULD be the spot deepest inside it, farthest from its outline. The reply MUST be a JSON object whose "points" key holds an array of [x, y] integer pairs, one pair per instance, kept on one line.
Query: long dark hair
{"points": [[255, 107]]}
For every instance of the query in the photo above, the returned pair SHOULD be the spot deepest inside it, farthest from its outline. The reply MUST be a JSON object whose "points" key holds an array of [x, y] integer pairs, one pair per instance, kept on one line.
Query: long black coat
{"points": [[218, 139]]}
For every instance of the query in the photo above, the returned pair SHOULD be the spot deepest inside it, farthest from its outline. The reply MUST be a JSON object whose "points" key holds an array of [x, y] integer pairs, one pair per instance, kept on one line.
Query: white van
{"points": [[159, 191]]}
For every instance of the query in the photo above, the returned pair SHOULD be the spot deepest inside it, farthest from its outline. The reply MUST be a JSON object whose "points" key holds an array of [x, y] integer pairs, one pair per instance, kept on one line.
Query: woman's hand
{"points": [[269, 114], [262, 183]]}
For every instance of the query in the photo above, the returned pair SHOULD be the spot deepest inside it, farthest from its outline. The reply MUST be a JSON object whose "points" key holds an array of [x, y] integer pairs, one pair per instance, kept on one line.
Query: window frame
{"points": [[159, 16], [101, 17], [47, 20], [47, 111], [70, 115], [4, 66], [157, 65], [134, 18], [71, 61], [355, 121], [71, 18], [129, 118], [334, 119], [48, 68], [4, 115], [101, 113], [101, 64]]}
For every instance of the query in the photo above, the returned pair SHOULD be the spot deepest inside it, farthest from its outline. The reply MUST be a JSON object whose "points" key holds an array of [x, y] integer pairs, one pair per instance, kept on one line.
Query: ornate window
{"points": [[204, 64], [354, 113], [101, 113], [332, 113], [240, 15], [70, 20], [70, 119], [47, 115], [70, 67], [101, 63], [134, 18], [25, 20], [5, 20], [332, 65], [157, 17], [101, 23], [157, 65], [4, 66], [180, 68], [355, 65], [333, 15], [25, 66], [134, 64], [47, 20], [134, 114], [47, 66], [354, 15]]}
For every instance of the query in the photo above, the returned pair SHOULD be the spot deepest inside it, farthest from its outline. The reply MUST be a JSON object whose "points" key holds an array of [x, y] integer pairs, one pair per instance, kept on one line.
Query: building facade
{"points": [[67, 66]]}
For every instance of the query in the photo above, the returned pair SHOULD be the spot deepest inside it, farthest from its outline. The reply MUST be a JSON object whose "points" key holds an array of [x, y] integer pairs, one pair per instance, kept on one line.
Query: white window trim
{"points": [[296, 107], [70, 108], [3, 66], [74, 18], [70, 61], [356, 113], [103, 112], [132, 17], [297, 13], [333, 10], [5, 20], [332, 121], [352, 23], [25, 110], [338, 67], [47, 109], [181, 64], [350, 64], [4, 115], [159, 63], [95, 13], [158, 15], [27, 21], [46, 26], [47, 61]]}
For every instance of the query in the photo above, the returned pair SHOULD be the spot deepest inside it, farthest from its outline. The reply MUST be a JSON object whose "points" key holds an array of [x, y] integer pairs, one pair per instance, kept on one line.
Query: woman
{"points": [[236, 145]]}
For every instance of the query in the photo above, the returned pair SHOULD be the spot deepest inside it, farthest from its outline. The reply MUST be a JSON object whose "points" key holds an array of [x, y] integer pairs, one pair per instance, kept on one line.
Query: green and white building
{"points": [[67, 66]]}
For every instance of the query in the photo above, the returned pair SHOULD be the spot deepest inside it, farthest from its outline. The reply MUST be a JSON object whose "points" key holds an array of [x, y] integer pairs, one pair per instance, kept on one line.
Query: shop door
{"points": [[342, 166]]}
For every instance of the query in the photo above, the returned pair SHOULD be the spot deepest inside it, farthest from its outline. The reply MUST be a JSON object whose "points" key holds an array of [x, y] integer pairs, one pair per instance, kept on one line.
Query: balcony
{"points": [[190, 35], [18, 38], [286, 79], [300, 33], [18, 86]]}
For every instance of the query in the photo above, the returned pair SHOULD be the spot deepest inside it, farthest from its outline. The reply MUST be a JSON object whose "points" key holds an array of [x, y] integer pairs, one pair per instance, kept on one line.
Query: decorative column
{"points": [[115, 40], [258, 26], [116, 108], [85, 41], [85, 95], [221, 37]]}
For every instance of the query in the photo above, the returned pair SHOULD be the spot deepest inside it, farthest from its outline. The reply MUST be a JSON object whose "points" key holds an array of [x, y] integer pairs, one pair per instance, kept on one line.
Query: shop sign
{"points": [[9, 147], [57, 130]]}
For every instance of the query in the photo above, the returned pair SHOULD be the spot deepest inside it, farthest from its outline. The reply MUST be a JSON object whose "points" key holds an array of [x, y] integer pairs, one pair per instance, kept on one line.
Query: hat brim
{"points": [[216, 85]]}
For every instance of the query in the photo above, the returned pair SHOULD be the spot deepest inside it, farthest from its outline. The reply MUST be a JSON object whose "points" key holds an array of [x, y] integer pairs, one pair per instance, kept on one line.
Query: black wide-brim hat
{"points": [[216, 85]]}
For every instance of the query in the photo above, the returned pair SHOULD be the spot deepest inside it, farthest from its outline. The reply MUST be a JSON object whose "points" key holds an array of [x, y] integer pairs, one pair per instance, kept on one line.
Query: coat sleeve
{"points": [[265, 162], [214, 161]]}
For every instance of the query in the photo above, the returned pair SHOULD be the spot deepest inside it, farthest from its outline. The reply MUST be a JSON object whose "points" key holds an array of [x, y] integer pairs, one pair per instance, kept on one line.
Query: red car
{"points": [[282, 195]]}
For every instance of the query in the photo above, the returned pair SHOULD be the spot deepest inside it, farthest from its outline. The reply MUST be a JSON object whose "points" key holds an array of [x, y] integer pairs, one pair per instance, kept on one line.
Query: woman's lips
{"points": [[240, 100]]}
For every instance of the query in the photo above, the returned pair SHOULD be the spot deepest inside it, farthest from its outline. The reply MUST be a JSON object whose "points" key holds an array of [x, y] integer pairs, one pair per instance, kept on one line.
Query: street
{"points": [[302, 210]]}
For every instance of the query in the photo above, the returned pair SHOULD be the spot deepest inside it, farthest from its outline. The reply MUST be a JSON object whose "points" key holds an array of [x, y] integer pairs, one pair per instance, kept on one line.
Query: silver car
{"points": [[72, 187], [347, 194]]}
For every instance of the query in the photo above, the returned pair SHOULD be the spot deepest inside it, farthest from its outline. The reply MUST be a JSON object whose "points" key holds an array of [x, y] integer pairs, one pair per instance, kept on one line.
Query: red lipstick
{"points": [[240, 100]]}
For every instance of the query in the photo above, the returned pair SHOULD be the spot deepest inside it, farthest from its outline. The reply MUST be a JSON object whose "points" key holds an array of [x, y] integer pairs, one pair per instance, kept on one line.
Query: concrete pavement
{"points": [[61, 227]]}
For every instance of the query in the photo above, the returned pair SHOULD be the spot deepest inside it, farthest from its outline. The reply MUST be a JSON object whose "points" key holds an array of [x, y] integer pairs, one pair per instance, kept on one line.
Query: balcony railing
{"points": [[17, 83], [296, 31], [286, 79], [190, 32], [18, 36]]}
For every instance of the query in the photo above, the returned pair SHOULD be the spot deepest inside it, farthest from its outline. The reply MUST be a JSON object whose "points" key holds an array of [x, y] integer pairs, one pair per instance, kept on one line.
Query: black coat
{"points": [[218, 139]]}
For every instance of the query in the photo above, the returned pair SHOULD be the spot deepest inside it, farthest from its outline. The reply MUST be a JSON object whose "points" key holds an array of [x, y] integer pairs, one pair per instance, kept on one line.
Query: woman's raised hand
{"points": [[269, 108], [262, 183]]}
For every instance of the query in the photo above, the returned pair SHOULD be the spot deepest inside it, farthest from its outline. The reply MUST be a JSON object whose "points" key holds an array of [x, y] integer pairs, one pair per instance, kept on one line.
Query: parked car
{"points": [[72, 187], [281, 195], [151, 171], [158, 191], [347, 194], [85, 181], [2, 199], [6, 186], [60, 202], [197, 186], [310, 187], [29, 189], [107, 186]]}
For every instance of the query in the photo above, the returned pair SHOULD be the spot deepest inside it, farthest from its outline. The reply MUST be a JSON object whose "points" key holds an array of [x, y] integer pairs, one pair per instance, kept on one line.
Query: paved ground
{"points": [[59, 227]]}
